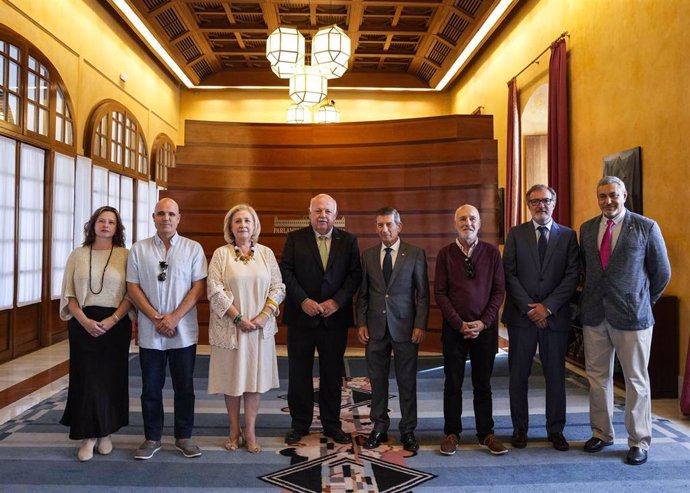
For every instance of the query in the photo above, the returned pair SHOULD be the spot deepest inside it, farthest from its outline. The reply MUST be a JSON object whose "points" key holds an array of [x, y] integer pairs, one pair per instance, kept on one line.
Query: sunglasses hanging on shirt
{"points": [[164, 267]]}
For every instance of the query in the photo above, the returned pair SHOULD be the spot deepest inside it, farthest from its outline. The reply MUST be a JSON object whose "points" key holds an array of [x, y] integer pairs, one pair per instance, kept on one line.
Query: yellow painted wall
{"points": [[90, 51], [629, 86], [269, 106]]}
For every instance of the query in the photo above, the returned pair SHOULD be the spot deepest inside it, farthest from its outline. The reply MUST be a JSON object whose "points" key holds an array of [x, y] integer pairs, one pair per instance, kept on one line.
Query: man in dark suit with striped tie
{"points": [[392, 313], [541, 266]]}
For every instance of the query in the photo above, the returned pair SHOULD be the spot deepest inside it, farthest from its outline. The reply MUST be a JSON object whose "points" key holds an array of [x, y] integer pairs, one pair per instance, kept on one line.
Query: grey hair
{"points": [[612, 180], [541, 186], [390, 211], [227, 223]]}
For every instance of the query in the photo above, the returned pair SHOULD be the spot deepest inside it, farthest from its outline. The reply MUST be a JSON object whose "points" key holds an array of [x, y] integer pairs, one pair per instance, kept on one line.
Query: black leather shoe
{"points": [[409, 442], [292, 437], [375, 439], [636, 456], [338, 436], [519, 439], [559, 442], [595, 444]]}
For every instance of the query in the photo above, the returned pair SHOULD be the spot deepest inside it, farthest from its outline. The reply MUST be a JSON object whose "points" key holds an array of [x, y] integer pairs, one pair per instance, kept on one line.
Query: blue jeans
{"points": [[181, 363]]}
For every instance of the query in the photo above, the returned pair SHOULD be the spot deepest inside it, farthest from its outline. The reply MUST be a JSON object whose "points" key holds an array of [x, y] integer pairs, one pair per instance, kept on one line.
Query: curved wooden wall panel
{"points": [[451, 127], [425, 167]]}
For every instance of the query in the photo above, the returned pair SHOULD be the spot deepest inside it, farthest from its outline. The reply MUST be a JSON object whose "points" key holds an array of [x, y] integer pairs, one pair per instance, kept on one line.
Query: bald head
{"points": [[166, 217], [467, 224]]}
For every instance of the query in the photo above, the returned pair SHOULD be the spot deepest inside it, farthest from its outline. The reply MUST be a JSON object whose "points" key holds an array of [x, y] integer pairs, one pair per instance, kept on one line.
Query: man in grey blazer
{"points": [[626, 270], [542, 269], [392, 313]]}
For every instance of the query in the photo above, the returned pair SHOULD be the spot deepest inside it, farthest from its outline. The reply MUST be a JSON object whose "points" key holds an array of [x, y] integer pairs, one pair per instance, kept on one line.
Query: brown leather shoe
{"points": [[449, 444], [494, 445]]}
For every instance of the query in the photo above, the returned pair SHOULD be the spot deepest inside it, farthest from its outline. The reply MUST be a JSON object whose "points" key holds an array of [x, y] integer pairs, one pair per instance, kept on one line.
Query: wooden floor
{"points": [[26, 381]]}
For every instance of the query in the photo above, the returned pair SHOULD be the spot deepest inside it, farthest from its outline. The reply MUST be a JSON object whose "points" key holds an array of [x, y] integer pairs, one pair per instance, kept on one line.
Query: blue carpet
{"points": [[36, 454]]}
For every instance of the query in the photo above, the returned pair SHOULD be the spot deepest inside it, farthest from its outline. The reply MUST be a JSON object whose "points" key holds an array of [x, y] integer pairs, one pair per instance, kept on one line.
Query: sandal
{"points": [[234, 443], [252, 447]]}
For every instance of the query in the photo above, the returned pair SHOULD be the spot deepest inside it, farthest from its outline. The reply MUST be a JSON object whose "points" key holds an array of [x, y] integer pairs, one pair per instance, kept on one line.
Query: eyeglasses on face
{"points": [[469, 268], [535, 202], [164, 267]]}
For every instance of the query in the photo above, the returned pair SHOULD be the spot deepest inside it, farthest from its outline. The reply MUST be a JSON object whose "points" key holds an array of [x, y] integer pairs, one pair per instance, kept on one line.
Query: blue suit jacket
{"points": [[551, 284], [634, 279]]}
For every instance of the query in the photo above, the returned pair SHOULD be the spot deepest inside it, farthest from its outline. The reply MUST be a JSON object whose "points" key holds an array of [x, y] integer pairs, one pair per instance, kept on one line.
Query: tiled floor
{"points": [[30, 379]]}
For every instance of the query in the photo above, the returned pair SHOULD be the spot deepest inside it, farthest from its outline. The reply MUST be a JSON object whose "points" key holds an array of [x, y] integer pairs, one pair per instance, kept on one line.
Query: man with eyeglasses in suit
{"points": [[469, 287], [542, 269], [166, 276]]}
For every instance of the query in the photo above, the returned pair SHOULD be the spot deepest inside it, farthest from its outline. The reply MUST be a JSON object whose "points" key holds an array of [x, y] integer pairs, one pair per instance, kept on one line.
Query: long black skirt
{"points": [[98, 394]]}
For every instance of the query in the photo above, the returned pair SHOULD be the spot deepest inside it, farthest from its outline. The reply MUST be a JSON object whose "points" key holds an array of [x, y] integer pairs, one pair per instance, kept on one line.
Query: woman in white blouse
{"points": [[244, 290], [93, 301]]}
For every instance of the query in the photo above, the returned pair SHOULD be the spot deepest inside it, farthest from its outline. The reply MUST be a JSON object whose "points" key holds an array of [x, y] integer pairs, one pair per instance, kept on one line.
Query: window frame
{"points": [[122, 156], [164, 150], [20, 131]]}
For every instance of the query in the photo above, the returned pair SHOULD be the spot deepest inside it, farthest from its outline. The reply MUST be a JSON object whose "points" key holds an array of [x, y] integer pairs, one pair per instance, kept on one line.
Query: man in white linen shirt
{"points": [[166, 276]]}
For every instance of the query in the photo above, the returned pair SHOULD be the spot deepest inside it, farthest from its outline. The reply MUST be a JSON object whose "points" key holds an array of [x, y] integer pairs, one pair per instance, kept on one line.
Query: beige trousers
{"points": [[632, 347]]}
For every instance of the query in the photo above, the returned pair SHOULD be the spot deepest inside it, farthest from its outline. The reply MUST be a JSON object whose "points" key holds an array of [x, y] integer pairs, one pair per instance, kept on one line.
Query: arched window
{"points": [[115, 141], [64, 124], [9, 84], [163, 154], [37, 169], [33, 99]]}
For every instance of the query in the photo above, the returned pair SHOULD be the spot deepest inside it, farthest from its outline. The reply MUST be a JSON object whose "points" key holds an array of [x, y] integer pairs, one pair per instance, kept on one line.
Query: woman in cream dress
{"points": [[244, 290]]}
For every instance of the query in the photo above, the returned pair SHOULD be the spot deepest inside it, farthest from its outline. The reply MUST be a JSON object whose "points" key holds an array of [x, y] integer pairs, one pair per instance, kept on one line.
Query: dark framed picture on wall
{"points": [[627, 165]]}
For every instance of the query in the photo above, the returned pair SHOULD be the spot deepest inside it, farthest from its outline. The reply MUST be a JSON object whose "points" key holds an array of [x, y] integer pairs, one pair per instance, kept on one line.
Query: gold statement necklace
{"points": [[245, 259]]}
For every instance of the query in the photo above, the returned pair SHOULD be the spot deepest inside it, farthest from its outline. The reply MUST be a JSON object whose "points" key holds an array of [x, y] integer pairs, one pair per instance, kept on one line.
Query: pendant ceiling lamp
{"points": [[297, 114], [307, 86], [330, 51], [285, 51], [328, 113]]}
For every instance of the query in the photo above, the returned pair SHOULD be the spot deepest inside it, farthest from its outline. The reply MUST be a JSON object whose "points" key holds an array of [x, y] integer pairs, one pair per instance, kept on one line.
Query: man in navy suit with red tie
{"points": [[542, 268]]}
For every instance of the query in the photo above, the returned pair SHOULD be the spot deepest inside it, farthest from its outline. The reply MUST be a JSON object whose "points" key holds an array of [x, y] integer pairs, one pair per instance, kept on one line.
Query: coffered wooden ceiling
{"points": [[395, 43]]}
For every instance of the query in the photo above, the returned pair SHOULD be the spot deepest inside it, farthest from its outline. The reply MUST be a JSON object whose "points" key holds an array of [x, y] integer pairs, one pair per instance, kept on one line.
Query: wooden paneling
{"points": [[5, 322], [279, 200], [58, 327], [426, 168], [452, 127], [26, 331], [323, 158], [370, 179]]}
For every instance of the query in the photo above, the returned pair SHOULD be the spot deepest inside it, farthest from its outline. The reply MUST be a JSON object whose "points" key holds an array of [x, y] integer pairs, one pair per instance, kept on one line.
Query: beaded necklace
{"points": [[104, 268], [244, 258]]}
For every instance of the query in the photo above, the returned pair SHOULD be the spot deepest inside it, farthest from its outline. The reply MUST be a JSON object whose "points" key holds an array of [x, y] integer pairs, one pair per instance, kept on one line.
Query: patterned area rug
{"points": [[36, 454], [319, 464]]}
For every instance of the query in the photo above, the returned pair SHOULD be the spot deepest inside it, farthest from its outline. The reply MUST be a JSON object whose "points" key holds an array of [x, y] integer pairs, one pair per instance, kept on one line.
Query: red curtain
{"points": [[513, 195], [558, 158]]}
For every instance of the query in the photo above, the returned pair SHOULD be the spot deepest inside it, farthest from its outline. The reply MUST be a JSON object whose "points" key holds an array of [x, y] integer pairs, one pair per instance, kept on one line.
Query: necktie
{"points": [[542, 244], [605, 247], [387, 265], [323, 250]]}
